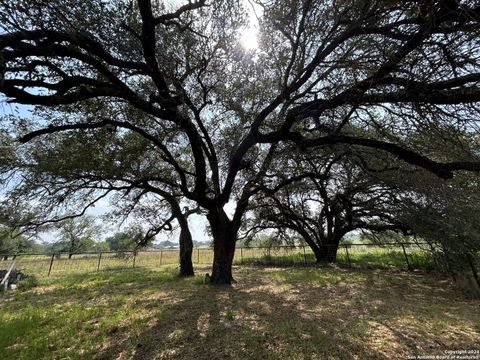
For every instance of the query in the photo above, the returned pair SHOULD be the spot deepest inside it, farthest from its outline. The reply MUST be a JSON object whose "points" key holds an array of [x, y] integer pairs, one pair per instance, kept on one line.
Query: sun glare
{"points": [[249, 39]]}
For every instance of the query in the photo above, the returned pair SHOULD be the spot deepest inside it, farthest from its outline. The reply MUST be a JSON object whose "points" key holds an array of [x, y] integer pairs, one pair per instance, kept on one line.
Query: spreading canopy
{"points": [[323, 196], [214, 112]]}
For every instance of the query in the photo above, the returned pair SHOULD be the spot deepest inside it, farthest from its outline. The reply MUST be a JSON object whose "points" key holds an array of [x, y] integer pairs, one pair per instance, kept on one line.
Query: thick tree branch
{"points": [[165, 18], [442, 170], [168, 157]]}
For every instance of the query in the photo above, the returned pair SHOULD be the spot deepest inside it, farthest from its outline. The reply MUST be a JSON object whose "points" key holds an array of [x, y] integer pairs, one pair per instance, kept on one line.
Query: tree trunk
{"points": [[317, 250], [186, 248], [327, 252], [473, 267], [332, 252], [185, 240], [70, 255], [224, 238]]}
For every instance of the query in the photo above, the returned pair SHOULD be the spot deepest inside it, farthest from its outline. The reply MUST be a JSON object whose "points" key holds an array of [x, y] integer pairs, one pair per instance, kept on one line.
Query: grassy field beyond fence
{"points": [[402, 256]]}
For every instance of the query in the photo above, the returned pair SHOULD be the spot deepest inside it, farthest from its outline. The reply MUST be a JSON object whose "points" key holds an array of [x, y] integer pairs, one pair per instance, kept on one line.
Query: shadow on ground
{"points": [[271, 313]]}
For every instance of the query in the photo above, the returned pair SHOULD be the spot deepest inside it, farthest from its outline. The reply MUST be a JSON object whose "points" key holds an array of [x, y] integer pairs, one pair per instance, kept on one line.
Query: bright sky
{"points": [[249, 36], [249, 39]]}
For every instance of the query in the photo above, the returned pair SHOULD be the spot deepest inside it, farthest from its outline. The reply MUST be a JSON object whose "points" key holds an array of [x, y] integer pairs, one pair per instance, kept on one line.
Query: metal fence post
{"points": [[348, 256], [99, 259], [51, 263], [304, 255], [406, 257]]}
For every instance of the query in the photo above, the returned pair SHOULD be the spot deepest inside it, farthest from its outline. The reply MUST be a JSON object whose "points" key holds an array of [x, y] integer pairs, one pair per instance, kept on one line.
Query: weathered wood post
{"points": [[99, 259], [51, 264], [348, 256], [406, 257]]}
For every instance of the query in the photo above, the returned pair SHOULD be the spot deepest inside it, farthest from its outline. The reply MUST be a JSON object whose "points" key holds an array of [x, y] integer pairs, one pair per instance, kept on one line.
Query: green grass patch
{"points": [[365, 259], [28, 283], [271, 313], [359, 256]]}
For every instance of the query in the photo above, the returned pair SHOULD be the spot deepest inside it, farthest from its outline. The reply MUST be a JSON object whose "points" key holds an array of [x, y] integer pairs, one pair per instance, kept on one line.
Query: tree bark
{"points": [[185, 239], [332, 252], [327, 253], [318, 251], [224, 238], [186, 247], [471, 262]]}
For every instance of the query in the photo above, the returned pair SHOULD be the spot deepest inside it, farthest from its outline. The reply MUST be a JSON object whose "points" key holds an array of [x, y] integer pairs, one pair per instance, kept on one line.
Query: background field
{"points": [[410, 256]]}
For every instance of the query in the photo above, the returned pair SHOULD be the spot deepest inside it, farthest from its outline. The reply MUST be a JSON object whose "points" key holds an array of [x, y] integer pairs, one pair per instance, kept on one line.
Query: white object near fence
{"points": [[5, 279]]}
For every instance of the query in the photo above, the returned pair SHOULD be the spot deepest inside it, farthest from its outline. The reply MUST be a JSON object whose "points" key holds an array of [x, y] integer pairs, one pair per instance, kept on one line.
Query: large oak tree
{"points": [[215, 113], [322, 196]]}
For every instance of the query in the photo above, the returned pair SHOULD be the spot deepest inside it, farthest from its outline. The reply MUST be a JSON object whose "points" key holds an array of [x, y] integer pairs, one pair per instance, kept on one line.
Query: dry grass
{"points": [[358, 256], [271, 313]]}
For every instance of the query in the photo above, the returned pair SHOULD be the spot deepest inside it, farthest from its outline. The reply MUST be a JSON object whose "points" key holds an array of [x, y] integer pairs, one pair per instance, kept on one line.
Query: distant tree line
{"points": [[77, 236]]}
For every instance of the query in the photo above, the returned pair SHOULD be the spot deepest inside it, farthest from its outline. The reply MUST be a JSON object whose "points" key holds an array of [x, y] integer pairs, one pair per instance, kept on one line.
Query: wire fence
{"points": [[396, 255]]}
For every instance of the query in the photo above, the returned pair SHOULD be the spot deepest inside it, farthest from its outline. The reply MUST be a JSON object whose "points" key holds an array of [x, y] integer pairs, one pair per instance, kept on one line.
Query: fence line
{"points": [[403, 255], [386, 245]]}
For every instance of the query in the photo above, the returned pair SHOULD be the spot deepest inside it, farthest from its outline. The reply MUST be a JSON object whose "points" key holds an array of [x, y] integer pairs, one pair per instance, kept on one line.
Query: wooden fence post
{"points": [[198, 256], [304, 255], [348, 256], [161, 256], [134, 257], [51, 264], [99, 259], [406, 257], [241, 255]]}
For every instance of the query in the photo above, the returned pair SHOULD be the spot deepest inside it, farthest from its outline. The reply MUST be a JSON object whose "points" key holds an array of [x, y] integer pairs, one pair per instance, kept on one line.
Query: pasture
{"points": [[396, 255], [270, 313]]}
